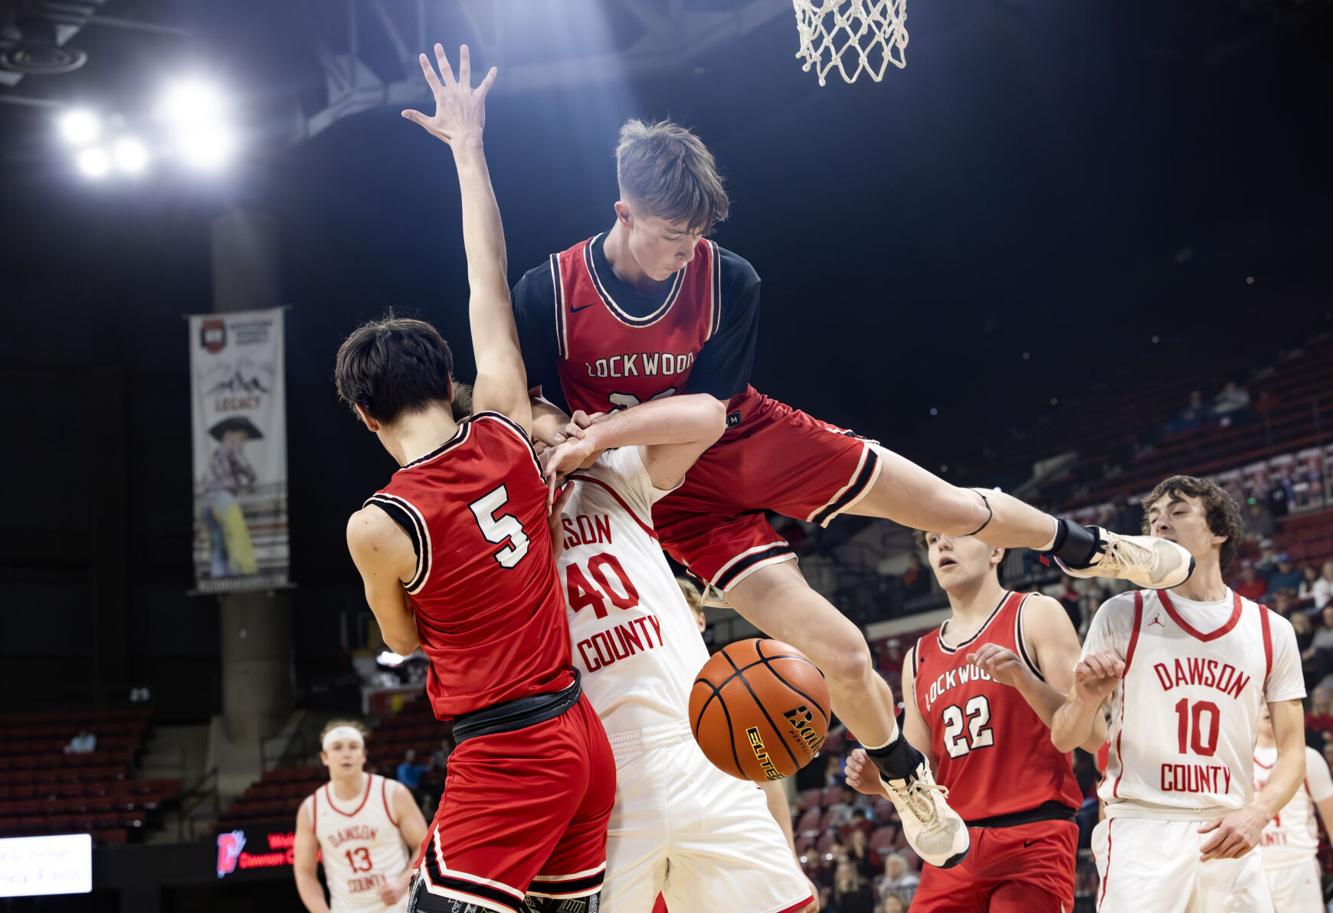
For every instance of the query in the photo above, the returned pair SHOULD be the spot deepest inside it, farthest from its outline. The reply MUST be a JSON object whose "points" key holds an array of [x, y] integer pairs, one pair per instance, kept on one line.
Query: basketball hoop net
{"points": [[855, 36]]}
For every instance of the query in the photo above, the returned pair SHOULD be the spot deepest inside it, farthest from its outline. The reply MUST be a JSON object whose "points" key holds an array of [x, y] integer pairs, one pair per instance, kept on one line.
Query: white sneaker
{"points": [[1145, 561], [931, 827]]}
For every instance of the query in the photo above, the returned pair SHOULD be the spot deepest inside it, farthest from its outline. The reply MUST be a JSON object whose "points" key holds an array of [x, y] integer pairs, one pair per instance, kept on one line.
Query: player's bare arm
{"points": [[459, 120], [383, 555], [673, 432], [1235, 834], [412, 828], [305, 856], [1051, 640], [863, 776], [1095, 678], [776, 797]]}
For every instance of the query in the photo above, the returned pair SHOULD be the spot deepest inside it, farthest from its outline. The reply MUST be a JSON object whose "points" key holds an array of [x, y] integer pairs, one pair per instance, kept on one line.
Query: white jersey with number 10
{"points": [[635, 639], [1185, 717]]}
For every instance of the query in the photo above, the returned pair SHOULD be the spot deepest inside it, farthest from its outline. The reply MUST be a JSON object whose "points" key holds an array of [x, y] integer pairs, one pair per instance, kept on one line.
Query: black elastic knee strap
{"points": [[589, 904], [990, 514]]}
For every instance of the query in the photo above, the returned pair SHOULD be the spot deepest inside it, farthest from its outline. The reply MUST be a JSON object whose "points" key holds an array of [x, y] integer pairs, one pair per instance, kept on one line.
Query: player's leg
{"points": [[961, 889], [908, 494], [636, 843], [571, 877], [776, 599], [727, 853], [1031, 867], [1147, 865]]}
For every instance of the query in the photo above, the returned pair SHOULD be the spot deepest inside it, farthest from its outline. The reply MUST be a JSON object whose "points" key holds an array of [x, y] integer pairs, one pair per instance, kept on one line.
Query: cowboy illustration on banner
{"points": [[240, 451]]}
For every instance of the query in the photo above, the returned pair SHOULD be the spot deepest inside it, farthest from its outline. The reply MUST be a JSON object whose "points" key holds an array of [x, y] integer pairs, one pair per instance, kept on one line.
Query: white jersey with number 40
{"points": [[1292, 836], [635, 640], [360, 846], [1185, 717]]}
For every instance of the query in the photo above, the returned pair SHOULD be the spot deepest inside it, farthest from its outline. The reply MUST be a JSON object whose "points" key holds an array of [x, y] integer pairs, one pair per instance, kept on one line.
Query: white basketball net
{"points": [[855, 36]]}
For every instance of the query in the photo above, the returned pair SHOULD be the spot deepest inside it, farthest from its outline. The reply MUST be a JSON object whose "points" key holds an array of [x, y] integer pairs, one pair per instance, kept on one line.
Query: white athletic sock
{"points": [[893, 737]]}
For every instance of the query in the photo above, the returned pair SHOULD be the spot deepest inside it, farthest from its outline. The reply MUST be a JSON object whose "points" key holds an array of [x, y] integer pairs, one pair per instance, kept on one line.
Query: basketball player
{"points": [[456, 556], [1186, 671], [680, 827], [651, 308], [361, 825], [1291, 840], [979, 695]]}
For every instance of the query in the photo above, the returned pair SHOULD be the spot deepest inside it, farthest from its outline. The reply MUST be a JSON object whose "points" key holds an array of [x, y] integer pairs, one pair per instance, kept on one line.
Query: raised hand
{"points": [[460, 110], [1097, 674]]}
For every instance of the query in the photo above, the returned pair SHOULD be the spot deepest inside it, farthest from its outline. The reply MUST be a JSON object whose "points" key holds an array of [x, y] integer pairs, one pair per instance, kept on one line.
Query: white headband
{"points": [[342, 732]]}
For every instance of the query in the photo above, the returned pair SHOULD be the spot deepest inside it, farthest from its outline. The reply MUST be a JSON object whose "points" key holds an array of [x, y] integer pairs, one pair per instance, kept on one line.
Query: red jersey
{"points": [[606, 356], [991, 749], [490, 612]]}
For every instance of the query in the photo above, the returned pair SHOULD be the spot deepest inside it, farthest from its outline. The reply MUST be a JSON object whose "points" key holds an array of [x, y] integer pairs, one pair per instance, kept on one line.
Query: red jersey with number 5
{"points": [[991, 749], [608, 358], [489, 609]]}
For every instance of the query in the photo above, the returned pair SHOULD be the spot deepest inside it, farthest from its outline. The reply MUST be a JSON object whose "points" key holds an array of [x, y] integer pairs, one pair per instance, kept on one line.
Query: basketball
{"points": [[759, 709]]}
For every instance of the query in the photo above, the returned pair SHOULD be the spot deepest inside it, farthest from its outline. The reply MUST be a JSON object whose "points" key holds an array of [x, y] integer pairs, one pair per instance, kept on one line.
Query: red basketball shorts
{"points": [[1027, 868], [523, 812], [772, 457]]}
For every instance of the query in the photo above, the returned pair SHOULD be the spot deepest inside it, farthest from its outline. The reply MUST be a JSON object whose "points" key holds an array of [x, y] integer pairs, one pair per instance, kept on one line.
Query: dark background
{"points": [[1068, 180]]}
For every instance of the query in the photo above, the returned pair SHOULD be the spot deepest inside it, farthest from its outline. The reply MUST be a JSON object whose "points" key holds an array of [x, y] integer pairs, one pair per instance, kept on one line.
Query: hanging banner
{"points": [[238, 406]]}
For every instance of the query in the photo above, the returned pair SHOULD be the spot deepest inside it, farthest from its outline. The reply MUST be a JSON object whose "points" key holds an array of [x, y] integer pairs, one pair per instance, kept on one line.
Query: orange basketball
{"points": [[759, 709]]}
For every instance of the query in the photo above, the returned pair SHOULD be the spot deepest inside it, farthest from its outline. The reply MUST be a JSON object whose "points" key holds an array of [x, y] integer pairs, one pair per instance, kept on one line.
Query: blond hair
{"points": [[670, 172]]}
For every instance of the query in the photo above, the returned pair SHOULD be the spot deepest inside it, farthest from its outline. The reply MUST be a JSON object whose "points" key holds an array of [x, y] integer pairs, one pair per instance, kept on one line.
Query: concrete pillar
{"points": [[256, 628]]}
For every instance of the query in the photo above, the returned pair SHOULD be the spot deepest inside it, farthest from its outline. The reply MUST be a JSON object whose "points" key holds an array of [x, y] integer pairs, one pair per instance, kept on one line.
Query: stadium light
{"points": [[79, 126], [196, 114], [205, 146], [131, 155], [94, 163]]}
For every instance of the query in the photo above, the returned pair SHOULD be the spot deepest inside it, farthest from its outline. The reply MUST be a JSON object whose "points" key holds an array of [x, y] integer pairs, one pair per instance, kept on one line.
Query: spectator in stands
{"points": [[1190, 417], [1319, 718], [1322, 589], [1309, 577], [1267, 562], [1286, 577], [1285, 603], [851, 892], [892, 904], [1232, 399], [1304, 628], [860, 854], [898, 879], [84, 742], [1259, 522], [409, 771], [1250, 585]]}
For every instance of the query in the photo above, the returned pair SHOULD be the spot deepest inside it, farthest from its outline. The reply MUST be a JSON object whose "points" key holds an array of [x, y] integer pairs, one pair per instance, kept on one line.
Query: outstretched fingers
{"points": [[464, 63], [446, 71], [428, 71]]}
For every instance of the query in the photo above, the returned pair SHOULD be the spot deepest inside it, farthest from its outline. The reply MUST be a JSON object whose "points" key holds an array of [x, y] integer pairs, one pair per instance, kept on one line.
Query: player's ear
{"points": [[623, 213], [366, 420]]}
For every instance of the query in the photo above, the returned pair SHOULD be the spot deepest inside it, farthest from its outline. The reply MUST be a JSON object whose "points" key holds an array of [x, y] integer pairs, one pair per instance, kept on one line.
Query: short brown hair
{"points": [[392, 366], [1219, 508], [669, 170]]}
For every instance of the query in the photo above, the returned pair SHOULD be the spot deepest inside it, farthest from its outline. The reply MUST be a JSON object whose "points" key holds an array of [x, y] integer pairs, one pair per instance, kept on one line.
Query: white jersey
{"points": [[1185, 717], [359, 845], [635, 640], [1292, 836]]}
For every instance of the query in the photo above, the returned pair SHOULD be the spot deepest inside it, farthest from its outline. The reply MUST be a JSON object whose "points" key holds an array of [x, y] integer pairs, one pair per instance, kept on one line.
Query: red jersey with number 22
{"points": [[489, 608], [609, 359], [991, 749]]}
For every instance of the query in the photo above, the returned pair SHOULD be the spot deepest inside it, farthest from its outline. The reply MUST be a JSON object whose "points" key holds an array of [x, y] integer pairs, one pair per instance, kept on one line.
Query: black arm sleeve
{"points": [[534, 312], [726, 361]]}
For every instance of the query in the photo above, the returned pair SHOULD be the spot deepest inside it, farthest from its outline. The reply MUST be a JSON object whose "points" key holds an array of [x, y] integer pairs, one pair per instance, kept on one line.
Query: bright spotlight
{"points": [[206, 146], [79, 127], [94, 163], [192, 102], [131, 155]]}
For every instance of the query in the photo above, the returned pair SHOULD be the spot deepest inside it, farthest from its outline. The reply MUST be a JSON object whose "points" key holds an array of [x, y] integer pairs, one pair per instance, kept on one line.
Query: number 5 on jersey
{"points": [[502, 529]]}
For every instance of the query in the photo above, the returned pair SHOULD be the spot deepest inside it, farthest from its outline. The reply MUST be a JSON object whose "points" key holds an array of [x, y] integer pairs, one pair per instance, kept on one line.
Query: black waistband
{"points": [[1047, 811], [517, 714]]}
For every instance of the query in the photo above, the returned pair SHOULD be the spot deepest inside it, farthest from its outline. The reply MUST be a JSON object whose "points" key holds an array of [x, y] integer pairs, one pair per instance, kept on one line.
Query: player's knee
{"points": [[847, 663], [959, 512]]}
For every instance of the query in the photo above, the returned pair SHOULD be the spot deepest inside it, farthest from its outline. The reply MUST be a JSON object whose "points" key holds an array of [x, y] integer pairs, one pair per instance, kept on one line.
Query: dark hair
{"points": [[394, 365], [1219, 508], [669, 170]]}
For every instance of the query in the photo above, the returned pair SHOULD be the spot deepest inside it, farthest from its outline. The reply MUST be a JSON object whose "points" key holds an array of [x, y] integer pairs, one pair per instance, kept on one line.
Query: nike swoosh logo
{"points": [[1028, 843], [575, 310]]}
